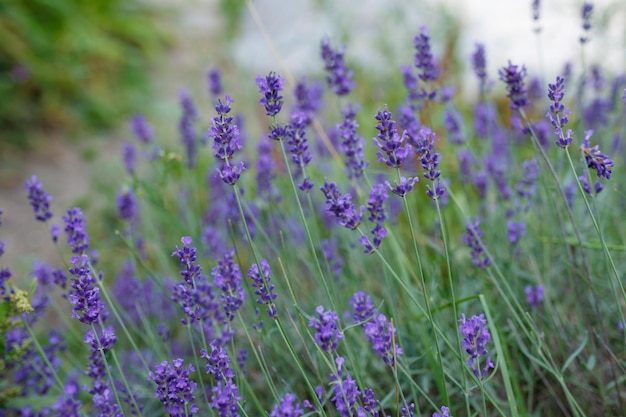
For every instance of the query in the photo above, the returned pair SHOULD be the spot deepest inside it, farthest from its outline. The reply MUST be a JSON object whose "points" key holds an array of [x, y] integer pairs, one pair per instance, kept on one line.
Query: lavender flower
{"points": [[76, 230], [472, 238], [299, 147], [103, 397], [270, 87], [174, 388], [225, 393], [126, 204], [525, 188], [84, 294], [338, 76], [585, 13], [479, 63], [327, 333], [351, 143], [341, 206], [445, 412], [227, 277], [265, 290], [129, 157], [331, 255], [394, 147], [535, 9], [408, 411], [380, 333], [265, 168], [475, 339], [514, 80], [287, 407], [429, 160], [362, 307], [595, 159], [534, 295], [186, 127], [187, 257], [558, 114], [516, 230], [308, 98], [214, 80], [226, 142], [39, 199], [453, 122], [402, 187], [410, 83], [142, 130], [345, 392], [375, 207], [54, 232], [424, 60]]}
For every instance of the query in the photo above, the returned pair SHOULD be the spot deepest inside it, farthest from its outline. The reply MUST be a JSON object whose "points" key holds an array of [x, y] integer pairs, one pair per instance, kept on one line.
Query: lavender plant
{"points": [[355, 300]]}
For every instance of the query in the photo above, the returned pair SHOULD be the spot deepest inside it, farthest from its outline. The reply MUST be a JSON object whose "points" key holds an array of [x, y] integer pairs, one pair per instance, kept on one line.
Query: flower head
{"points": [[558, 114], [338, 76], [174, 388], [472, 238], [126, 204], [85, 294], [270, 87], [534, 295], [327, 333], [351, 143], [595, 159], [39, 199], [376, 209], [141, 129], [214, 80], [129, 157], [265, 290], [424, 60], [445, 412], [513, 77], [394, 147], [226, 141], [76, 230], [186, 127], [287, 407], [475, 339], [341, 206], [380, 333], [585, 13]]}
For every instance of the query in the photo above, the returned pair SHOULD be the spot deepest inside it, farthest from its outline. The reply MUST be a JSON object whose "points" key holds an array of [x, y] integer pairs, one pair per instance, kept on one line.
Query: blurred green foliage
{"points": [[70, 64]]}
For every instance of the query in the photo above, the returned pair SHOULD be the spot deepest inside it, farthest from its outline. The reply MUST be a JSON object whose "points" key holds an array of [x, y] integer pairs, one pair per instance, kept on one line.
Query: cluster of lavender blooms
{"points": [[220, 310], [476, 336]]}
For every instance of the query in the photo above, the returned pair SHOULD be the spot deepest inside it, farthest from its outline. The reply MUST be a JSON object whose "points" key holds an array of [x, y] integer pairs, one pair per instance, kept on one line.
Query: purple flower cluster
{"points": [[225, 394], [186, 127], [76, 230], [453, 122], [585, 13], [226, 142], [479, 64], [475, 339], [126, 204], [299, 146], [376, 209], [195, 295], [338, 76], [341, 206], [39, 199], [513, 77], [380, 333], [595, 159], [227, 277], [410, 83], [332, 256], [141, 129], [129, 157], [429, 161], [558, 114], [525, 188], [327, 333], [265, 170], [287, 407], [534, 295], [308, 98], [394, 147], [265, 290], [84, 294], [445, 412], [424, 60], [174, 388], [472, 238], [101, 390], [351, 143], [270, 87], [214, 81], [347, 397], [362, 307]]}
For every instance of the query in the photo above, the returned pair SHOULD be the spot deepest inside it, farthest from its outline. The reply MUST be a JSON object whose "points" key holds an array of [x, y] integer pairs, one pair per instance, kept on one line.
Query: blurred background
{"points": [[72, 72]]}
